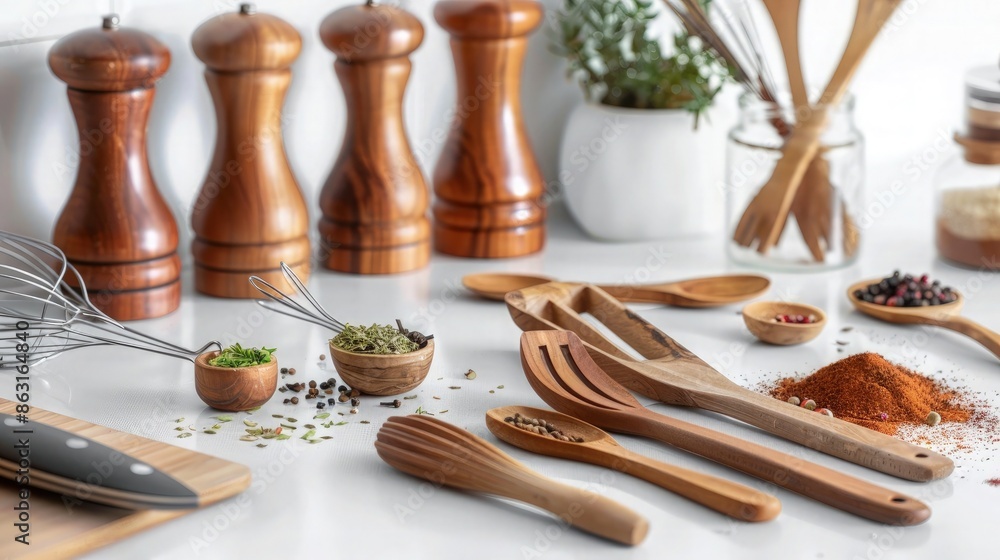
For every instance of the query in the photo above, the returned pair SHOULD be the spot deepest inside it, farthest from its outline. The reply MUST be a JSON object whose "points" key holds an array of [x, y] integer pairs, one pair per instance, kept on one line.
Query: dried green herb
{"points": [[184, 435], [376, 339], [420, 410], [237, 356]]}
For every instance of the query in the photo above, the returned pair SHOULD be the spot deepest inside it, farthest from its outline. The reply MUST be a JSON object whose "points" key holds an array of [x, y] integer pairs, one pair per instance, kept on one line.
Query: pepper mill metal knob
{"points": [[250, 214], [375, 200], [487, 183], [116, 228]]}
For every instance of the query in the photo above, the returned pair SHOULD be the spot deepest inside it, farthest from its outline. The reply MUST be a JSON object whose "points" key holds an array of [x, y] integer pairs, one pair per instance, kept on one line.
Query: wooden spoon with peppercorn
{"points": [[941, 314], [590, 444], [674, 375], [560, 371]]}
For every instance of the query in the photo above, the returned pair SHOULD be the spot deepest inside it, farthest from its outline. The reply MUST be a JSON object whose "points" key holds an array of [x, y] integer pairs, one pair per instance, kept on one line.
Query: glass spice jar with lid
{"points": [[968, 185]]}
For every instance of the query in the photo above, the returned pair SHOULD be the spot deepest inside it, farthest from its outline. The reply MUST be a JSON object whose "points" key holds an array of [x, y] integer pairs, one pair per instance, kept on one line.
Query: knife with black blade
{"points": [[56, 460]]}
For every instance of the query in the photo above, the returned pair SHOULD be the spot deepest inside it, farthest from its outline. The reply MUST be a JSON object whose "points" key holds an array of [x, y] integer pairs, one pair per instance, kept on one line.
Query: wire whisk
{"points": [[45, 309], [282, 303]]}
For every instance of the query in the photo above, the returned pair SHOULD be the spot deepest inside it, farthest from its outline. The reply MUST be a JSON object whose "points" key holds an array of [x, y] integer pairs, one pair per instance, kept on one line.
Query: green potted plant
{"points": [[639, 159]]}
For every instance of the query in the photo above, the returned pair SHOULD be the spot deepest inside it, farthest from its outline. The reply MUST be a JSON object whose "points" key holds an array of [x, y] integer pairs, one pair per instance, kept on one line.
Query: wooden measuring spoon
{"points": [[444, 454], [599, 448], [765, 216], [709, 291], [674, 375], [945, 316], [560, 371]]}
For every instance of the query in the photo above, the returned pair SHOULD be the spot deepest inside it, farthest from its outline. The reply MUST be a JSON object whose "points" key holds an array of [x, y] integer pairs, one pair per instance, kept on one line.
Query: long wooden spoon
{"points": [[561, 372], [674, 375], [945, 316], [710, 291], [599, 448], [444, 454]]}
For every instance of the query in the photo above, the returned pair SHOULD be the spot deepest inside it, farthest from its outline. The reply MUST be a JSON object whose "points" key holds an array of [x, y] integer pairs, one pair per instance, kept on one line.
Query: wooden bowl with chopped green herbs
{"points": [[373, 361], [237, 378]]}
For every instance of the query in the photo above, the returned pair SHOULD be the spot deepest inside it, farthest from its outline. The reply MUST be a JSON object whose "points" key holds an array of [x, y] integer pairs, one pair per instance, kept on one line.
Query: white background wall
{"points": [[909, 93]]}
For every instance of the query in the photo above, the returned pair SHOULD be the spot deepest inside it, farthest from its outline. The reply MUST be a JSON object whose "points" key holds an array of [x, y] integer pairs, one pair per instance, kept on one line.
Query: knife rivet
{"points": [[140, 469], [76, 443]]}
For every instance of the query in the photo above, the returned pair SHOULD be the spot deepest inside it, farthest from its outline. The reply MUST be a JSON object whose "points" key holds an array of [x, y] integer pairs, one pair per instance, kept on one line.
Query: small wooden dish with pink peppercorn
{"points": [[784, 323]]}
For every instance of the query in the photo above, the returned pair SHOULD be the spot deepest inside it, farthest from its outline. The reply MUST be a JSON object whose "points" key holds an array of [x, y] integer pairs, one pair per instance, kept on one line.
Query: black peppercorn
{"points": [[355, 401]]}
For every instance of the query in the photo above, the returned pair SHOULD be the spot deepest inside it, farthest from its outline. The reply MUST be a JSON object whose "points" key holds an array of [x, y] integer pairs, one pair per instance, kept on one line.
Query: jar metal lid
{"points": [[983, 84]]}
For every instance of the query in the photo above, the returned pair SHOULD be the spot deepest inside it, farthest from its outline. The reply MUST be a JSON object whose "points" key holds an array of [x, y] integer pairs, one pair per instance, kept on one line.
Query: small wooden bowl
{"points": [[759, 318], [234, 389], [383, 374]]}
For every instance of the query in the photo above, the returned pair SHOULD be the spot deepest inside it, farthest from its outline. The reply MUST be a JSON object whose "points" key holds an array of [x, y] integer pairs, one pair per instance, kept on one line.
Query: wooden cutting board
{"points": [[62, 527]]}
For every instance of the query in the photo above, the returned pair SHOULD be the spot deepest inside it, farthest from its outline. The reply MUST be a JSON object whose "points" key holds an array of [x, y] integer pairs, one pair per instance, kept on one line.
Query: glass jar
{"points": [[968, 185], [821, 231]]}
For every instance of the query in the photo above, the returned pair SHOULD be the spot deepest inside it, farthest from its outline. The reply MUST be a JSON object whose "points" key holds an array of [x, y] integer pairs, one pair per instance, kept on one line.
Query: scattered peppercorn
{"points": [[794, 400], [321, 404], [540, 427], [355, 401], [906, 290], [471, 374], [288, 401], [343, 397], [809, 404], [933, 419], [354, 411], [331, 401], [342, 388], [825, 411], [291, 371], [284, 370], [322, 357], [312, 384], [295, 400]]}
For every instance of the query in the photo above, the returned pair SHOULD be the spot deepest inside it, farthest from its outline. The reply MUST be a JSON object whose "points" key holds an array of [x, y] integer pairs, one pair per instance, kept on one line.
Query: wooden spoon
{"points": [[561, 372], [710, 291], [672, 374], [765, 216], [444, 454], [599, 448], [759, 318], [945, 316]]}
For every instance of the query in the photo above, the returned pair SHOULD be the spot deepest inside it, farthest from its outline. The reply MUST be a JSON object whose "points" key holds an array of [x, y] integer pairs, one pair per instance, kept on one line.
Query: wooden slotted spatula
{"points": [[444, 454], [561, 371], [765, 216], [673, 375]]}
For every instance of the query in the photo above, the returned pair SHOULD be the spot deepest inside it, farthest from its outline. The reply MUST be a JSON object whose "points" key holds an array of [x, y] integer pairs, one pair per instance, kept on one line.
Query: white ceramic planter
{"points": [[639, 174]]}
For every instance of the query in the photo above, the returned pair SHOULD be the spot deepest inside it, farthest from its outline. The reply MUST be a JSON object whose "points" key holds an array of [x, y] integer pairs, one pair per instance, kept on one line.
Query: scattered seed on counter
{"points": [[277, 416], [284, 371], [365, 422], [499, 386], [409, 397], [184, 435], [471, 374], [454, 387], [355, 393], [291, 371], [355, 402], [322, 357], [295, 400], [933, 419], [436, 398], [847, 329], [443, 411], [354, 410]]}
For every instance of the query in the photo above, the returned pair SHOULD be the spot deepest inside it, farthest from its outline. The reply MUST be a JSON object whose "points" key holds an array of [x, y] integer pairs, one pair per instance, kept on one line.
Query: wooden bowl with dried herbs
{"points": [[237, 378], [381, 359]]}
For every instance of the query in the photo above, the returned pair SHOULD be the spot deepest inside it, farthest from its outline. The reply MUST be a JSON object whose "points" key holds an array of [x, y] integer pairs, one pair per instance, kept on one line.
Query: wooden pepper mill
{"points": [[487, 182], [250, 214], [375, 200], [116, 228]]}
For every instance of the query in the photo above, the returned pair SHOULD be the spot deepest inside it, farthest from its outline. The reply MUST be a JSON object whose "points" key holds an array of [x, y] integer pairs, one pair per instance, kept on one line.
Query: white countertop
{"points": [[339, 499]]}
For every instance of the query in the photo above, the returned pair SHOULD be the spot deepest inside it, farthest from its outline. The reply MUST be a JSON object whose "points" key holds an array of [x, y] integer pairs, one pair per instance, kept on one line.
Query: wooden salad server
{"points": [[561, 371], [945, 316], [432, 449], [599, 448], [673, 375], [765, 216]]}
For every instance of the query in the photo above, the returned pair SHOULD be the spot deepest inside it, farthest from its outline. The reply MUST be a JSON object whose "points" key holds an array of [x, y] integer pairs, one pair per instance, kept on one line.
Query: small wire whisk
{"points": [[45, 309], [282, 303]]}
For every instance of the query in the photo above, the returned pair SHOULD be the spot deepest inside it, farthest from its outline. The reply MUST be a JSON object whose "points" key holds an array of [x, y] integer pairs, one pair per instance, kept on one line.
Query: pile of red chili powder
{"points": [[870, 391]]}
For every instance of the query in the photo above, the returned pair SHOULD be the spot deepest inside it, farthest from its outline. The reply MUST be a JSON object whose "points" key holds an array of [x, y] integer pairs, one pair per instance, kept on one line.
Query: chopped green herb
{"points": [[237, 356], [341, 423], [184, 435], [321, 416], [409, 397], [283, 436], [309, 435], [179, 420], [420, 410], [376, 339]]}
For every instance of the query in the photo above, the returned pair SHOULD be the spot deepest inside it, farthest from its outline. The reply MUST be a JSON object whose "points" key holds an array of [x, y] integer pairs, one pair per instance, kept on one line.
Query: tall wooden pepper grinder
{"points": [[250, 214], [375, 201], [116, 228], [487, 181]]}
